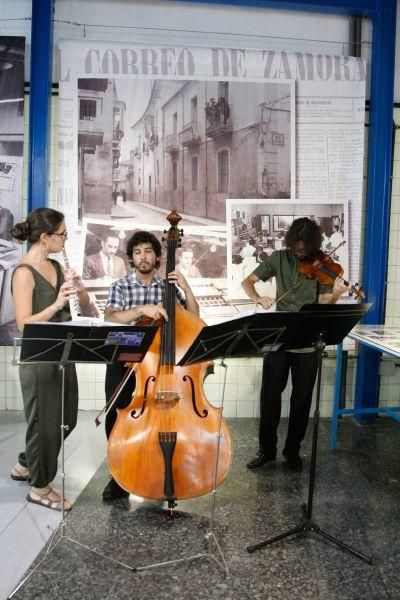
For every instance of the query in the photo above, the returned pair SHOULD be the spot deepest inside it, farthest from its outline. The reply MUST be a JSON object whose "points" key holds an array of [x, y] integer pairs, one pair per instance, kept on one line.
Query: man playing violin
{"points": [[303, 240], [132, 297]]}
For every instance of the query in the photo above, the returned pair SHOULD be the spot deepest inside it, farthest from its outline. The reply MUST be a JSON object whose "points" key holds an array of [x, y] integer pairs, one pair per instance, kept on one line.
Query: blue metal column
{"points": [[378, 194], [40, 101], [336, 396], [339, 7]]}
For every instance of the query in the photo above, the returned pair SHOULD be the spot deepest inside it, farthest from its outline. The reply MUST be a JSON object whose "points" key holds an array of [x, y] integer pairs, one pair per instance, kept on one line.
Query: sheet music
{"points": [[246, 313]]}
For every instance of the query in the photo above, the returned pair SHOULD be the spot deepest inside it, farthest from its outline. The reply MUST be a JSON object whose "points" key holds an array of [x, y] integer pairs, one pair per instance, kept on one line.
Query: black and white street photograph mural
{"points": [[12, 77], [146, 146]]}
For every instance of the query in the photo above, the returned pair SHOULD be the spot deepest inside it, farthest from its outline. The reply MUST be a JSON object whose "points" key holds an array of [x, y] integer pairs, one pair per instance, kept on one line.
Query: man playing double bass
{"points": [[303, 240], [136, 295]]}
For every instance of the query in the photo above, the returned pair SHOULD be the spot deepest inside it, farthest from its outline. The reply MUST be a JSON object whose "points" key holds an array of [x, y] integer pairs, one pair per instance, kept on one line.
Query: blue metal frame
{"points": [[360, 411], [40, 102], [336, 396], [378, 196], [362, 8]]}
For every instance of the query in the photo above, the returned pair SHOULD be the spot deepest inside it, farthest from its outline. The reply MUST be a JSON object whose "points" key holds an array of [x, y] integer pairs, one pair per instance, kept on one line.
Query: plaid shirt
{"points": [[128, 292]]}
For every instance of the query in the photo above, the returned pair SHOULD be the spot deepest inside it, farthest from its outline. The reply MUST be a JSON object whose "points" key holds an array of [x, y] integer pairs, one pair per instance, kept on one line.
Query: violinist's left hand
{"points": [[340, 288], [179, 279]]}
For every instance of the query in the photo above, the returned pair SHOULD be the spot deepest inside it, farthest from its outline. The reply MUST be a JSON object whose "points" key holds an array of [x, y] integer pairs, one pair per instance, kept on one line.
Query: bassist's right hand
{"points": [[153, 311]]}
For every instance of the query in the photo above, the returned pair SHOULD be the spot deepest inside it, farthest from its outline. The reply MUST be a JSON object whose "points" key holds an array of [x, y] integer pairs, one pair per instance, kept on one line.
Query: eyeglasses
{"points": [[63, 234]]}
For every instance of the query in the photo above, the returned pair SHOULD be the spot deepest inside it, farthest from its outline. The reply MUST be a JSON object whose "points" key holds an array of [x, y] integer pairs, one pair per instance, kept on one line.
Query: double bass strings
{"points": [[167, 359]]}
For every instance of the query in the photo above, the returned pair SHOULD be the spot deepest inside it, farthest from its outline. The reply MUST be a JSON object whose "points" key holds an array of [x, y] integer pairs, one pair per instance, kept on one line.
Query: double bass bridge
{"points": [[167, 398]]}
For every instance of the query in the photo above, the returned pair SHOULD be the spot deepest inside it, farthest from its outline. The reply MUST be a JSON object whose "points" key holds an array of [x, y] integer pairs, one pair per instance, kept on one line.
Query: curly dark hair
{"points": [[143, 237], [307, 231]]}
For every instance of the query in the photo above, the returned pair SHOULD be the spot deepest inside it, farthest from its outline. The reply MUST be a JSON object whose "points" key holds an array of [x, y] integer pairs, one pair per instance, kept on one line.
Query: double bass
{"points": [[170, 443]]}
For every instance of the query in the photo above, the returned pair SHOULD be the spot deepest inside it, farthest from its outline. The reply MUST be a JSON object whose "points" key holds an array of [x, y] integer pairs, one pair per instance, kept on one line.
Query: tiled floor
{"points": [[356, 500], [24, 528]]}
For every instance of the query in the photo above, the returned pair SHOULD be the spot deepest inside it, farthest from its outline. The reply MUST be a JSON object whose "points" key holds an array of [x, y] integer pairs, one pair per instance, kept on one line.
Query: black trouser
{"points": [[276, 367], [114, 375], [41, 386]]}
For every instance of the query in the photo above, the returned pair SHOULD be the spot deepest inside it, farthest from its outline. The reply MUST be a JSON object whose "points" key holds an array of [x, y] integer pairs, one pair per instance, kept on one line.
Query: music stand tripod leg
{"points": [[63, 428], [210, 535], [252, 548], [346, 547], [62, 525], [306, 524]]}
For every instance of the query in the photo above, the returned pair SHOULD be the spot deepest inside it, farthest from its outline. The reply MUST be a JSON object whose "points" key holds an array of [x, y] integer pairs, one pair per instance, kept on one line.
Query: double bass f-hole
{"points": [[133, 413], [205, 411]]}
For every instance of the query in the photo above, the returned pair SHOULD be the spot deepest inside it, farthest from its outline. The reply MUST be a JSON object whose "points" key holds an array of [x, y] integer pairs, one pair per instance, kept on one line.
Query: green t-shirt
{"points": [[282, 265]]}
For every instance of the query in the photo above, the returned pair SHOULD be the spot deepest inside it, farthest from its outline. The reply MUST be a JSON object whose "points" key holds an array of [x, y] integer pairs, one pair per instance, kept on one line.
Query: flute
{"points": [[74, 304]]}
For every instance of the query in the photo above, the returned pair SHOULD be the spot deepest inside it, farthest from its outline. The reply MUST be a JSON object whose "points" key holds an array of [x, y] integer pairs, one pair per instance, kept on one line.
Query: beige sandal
{"points": [[44, 499], [19, 473]]}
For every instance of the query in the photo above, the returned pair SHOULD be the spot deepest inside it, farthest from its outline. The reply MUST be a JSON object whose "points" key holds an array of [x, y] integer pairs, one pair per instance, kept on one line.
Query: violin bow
{"points": [[115, 395], [338, 246], [292, 287]]}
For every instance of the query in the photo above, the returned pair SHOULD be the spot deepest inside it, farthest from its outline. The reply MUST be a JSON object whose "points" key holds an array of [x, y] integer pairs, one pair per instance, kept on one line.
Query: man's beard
{"points": [[144, 267], [300, 256]]}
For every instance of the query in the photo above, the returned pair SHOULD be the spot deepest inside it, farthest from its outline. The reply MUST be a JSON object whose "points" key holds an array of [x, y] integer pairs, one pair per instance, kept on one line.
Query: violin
{"points": [[322, 268]]}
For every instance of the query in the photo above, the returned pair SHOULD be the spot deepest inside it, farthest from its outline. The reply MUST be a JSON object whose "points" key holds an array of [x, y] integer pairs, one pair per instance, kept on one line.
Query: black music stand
{"points": [[68, 343], [92, 342], [315, 325]]}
